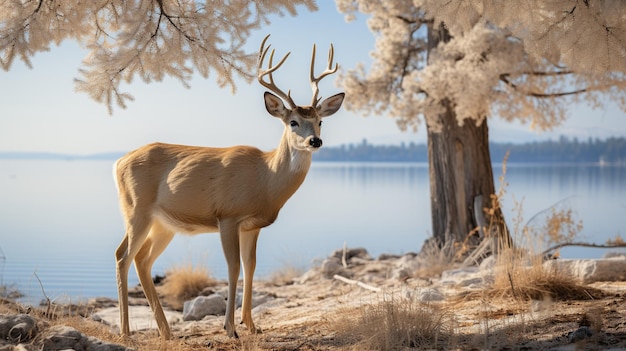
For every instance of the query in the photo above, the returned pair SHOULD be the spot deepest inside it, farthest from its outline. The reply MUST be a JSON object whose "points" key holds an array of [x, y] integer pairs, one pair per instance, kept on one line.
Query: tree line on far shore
{"points": [[564, 150]]}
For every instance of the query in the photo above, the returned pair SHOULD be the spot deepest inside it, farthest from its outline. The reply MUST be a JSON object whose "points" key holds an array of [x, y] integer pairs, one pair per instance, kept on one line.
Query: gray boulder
{"points": [[591, 270], [332, 266], [202, 306], [62, 337], [17, 328]]}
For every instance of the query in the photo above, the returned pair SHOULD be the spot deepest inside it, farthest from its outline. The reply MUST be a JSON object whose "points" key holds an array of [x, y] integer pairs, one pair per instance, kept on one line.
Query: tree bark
{"points": [[460, 171]]}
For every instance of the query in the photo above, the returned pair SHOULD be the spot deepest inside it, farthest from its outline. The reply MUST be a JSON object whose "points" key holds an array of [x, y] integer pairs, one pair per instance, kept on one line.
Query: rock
{"points": [[20, 329], [202, 306], [209, 290], [454, 276], [257, 298], [384, 257], [62, 337], [332, 266], [141, 317], [101, 302], [579, 334], [400, 274], [17, 328], [351, 253], [430, 294], [465, 277], [409, 262], [591, 270], [488, 263], [311, 274]]}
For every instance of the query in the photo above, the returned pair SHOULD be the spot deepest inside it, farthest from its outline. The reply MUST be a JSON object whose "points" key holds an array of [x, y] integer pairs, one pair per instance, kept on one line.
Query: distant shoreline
{"points": [[611, 151]]}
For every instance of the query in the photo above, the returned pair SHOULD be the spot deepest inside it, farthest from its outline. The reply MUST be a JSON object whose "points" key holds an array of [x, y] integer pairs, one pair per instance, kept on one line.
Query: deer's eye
{"points": [[320, 123], [294, 124]]}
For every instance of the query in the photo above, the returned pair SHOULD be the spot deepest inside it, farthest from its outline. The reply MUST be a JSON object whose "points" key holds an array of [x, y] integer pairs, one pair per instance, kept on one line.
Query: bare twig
{"points": [[344, 262], [512, 286], [45, 295]]}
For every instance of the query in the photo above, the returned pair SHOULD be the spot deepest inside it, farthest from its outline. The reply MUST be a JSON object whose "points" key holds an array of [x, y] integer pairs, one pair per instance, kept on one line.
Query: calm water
{"points": [[60, 219]]}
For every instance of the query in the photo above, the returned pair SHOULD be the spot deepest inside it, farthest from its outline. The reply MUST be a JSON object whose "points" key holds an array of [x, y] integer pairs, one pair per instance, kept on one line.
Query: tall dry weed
{"points": [[436, 258], [285, 275], [184, 282], [520, 270], [395, 324]]}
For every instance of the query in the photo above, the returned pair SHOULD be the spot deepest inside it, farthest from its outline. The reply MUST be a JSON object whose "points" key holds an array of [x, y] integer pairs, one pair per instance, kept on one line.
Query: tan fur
{"points": [[166, 189]]}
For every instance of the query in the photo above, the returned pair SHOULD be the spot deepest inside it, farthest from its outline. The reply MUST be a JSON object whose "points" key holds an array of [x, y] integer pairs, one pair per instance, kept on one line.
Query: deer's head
{"points": [[302, 123]]}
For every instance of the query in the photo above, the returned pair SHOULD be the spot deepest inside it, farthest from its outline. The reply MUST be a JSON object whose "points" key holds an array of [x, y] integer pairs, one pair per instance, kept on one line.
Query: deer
{"points": [[166, 189]]}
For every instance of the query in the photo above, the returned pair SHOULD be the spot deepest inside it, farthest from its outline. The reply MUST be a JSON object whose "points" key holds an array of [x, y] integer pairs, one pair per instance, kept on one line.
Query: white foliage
{"points": [[149, 39], [489, 67], [584, 35]]}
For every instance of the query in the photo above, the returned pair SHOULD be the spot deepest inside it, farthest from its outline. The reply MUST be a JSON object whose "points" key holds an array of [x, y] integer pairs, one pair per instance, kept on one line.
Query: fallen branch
{"points": [[356, 282], [600, 246]]}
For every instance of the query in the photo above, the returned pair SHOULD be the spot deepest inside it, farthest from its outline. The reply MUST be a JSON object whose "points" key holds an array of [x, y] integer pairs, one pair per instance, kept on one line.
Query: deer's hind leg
{"points": [[158, 239]]}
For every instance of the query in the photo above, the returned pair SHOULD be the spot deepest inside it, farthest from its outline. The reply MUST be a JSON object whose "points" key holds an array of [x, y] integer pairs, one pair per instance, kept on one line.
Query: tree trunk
{"points": [[460, 174]]}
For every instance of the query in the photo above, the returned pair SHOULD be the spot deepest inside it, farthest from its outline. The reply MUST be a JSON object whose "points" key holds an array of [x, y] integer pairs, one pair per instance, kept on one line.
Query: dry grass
{"points": [[526, 278], [285, 275], [394, 324], [520, 272], [436, 258], [184, 282]]}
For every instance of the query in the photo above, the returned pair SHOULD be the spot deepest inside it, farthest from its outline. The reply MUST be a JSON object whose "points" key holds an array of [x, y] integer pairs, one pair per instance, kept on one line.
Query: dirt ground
{"points": [[313, 316], [319, 314]]}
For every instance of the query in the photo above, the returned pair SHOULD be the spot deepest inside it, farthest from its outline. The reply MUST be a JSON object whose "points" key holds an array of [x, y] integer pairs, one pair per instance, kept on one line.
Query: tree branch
{"points": [[583, 244], [503, 77]]}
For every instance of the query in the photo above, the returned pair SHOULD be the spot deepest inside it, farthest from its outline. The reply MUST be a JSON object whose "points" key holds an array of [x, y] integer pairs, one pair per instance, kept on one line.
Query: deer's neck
{"points": [[290, 164]]}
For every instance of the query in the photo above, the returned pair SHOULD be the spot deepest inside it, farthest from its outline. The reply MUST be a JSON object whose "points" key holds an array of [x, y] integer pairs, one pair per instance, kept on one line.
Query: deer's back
{"points": [[191, 188]]}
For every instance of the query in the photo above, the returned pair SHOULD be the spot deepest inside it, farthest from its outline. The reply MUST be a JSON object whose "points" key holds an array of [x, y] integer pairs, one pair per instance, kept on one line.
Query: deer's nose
{"points": [[315, 142]]}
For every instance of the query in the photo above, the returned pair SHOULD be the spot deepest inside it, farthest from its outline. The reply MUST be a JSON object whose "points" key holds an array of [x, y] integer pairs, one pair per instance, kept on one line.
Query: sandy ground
{"points": [[309, 317], [316, 314]]}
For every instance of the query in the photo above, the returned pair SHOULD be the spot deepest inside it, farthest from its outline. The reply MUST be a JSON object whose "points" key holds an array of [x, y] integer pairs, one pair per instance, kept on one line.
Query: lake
{"points": [[60, 222]]}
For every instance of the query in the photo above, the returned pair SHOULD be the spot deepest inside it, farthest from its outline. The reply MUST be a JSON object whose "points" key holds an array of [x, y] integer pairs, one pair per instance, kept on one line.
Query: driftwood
{"points": [[356, 282]]}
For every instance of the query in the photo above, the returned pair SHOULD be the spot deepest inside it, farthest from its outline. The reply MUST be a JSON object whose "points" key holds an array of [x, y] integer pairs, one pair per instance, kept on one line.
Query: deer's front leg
{"points": [[248, 256], [229, 235]]}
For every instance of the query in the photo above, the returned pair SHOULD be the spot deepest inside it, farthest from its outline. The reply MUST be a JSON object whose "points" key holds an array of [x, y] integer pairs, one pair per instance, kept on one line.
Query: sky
{"points": [[42, 112]]}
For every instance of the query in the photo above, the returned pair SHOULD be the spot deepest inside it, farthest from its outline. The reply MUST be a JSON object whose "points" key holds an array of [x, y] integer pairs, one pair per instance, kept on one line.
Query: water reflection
{"points": [[61, 218]]}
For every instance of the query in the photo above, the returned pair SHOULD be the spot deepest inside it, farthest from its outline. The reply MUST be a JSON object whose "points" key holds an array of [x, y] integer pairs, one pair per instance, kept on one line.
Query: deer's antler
{"points": [[329, 70], [268, 72]]}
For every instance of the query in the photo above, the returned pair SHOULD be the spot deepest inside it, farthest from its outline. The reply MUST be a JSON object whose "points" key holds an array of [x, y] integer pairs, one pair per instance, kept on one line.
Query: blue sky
{"points": [[41, 111]]}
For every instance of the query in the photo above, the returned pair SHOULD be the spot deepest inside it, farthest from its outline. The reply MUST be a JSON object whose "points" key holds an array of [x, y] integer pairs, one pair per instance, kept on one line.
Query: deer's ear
{"points": [[274, 105], [330, 105]]}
